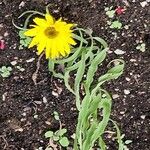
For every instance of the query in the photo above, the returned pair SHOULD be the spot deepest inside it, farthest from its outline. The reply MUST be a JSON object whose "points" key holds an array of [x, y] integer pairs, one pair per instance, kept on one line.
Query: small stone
{"points": [[23, 119], [30, 60], [24, 114], [6, 34], [127, 79], [35, 116], [133, 60], [38, 102], [4, 96], [44, 100], [40, 148], [116, 89], [119, 52], [126, 27], [55, 94], [115, 96], [143, 117], [13, 62], [122, 112], [22, 4], [143, 4], [47, 122], [20, 68], [19, 129], [126, 92]]}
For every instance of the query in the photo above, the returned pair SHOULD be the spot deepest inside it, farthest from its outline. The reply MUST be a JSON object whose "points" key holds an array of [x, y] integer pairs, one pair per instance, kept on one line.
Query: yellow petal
{"points": [[71, 41], [34, 41], [40, 22], [41, 46], [49, 19], [69, 25], [54, 49], [61, 48], [31, 32], [67, 48], [48, 49]]}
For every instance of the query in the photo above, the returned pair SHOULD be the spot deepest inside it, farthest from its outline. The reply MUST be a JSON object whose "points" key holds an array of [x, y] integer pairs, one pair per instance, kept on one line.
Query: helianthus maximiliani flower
{"points": [[53, 37]]}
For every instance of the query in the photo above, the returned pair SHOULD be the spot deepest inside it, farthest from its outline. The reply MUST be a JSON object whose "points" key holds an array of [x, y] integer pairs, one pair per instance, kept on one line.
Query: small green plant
{"points": [[5, 71], [56, 116], [141, 47], [24, 40], [110, 12], [115, 24], [58, 137]]}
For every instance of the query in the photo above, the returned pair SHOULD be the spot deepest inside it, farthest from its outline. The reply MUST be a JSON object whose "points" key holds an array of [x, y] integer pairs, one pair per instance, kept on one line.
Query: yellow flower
{"points": [[53, 37]]}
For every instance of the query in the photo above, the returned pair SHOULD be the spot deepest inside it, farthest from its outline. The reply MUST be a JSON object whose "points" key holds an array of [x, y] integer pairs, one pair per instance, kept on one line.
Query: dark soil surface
{"points": [[26, 109]]}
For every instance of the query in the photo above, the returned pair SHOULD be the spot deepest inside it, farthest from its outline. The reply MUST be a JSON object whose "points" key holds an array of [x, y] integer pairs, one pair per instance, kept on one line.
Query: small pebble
{"points": [[44, 100], [19, 130], [6, 34], [122, 112], [126, 92], [115, 96], [143, 117], [30, 60], [35, 116], [47, 122], [119, 52], [55, 94], [22, 4], [133, 60], [127, 79], [38, 102], [24, 114], [13, 62], [143, 4]]}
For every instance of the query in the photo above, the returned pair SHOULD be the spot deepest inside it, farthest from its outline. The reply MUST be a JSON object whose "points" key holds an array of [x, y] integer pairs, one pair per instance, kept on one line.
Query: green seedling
{"points": [[126, 142], [141, 47], [5, 71], [110, 12], [56, 115], [58, 136], [24, 40], [116, 24]]}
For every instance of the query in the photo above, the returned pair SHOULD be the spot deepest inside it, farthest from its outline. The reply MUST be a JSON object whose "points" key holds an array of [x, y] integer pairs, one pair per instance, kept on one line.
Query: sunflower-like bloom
{"points": [[53, 37]]}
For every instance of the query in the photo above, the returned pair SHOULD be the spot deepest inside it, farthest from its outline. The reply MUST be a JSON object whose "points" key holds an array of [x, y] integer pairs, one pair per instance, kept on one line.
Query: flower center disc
{"points": [[50, 32]]}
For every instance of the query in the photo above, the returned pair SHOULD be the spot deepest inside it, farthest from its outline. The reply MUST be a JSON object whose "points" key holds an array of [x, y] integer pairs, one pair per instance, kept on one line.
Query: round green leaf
{"points": [[49, 134], [61, 132], [64, 142]]}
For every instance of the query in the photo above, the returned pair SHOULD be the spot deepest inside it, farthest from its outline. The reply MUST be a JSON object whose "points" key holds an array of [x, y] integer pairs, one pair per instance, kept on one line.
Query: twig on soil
{"points": [[6, 143], [34, 76]]}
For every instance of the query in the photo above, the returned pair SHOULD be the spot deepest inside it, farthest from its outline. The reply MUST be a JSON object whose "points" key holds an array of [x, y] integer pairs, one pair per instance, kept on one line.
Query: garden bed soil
{"points": [[26, 109]]}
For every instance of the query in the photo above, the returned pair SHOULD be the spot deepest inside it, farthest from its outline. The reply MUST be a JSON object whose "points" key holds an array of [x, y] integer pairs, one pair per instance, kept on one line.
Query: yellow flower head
{"points": [[53, 37]]}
